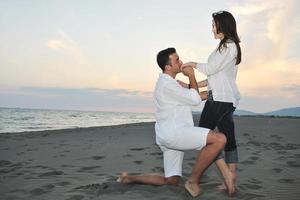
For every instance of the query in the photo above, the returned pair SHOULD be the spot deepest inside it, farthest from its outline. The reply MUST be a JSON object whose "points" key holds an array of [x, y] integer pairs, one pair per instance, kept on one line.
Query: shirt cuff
{"points": [[195, 97], [200, 67]]}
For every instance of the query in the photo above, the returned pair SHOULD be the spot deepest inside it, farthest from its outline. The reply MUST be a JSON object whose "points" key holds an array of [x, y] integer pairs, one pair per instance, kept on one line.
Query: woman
{"points": [[221, 70]]}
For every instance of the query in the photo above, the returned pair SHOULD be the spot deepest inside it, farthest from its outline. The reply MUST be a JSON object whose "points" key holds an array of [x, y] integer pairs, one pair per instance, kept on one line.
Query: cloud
{"points": [[64, 44], [119, 100], [248, 9], [269, 74]]}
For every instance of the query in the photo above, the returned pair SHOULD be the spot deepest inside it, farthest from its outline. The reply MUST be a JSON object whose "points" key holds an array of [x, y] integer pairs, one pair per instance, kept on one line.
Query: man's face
{"points": [[175, 63]]}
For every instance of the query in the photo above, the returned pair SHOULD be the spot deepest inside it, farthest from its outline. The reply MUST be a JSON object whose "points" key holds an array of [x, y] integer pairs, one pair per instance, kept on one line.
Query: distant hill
{"points": [[243, 112], [286, 112], [295, 112]]}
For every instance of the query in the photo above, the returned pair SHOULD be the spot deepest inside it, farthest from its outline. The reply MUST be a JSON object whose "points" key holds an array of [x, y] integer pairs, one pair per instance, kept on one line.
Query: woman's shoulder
{"points": [[231, 45]]}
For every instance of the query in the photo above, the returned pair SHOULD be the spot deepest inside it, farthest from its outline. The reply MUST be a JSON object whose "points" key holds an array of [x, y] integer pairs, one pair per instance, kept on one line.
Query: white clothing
{"points": [[174, 127], [221, 74]]}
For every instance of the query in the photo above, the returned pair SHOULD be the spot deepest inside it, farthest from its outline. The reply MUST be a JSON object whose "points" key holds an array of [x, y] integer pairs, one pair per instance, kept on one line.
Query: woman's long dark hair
{"points": [[225, 23]]}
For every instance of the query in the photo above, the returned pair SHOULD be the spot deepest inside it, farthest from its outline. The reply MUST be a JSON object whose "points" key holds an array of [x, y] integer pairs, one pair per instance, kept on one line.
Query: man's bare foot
{"points": [[193, 188], [230, 182], [123, 178]]}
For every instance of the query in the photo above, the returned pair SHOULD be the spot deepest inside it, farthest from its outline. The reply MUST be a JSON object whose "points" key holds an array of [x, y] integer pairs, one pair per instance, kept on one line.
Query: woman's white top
{"points": [[221, 74]]}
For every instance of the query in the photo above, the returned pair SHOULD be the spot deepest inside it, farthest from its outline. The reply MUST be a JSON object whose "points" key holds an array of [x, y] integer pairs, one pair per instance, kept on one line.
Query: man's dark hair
{"points": [[162, 57]]}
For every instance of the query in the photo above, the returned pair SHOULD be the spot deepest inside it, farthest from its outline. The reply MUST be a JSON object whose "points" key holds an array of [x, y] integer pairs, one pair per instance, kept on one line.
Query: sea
{"points": [[14, 120]]}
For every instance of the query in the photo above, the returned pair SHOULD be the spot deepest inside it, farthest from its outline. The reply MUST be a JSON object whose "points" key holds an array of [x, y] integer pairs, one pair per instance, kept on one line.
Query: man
{"points": [[175, 131]]}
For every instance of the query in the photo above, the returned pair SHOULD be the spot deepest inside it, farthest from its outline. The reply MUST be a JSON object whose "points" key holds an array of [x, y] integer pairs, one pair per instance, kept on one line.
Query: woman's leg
{"points": [[226, 125], [211, 114]]}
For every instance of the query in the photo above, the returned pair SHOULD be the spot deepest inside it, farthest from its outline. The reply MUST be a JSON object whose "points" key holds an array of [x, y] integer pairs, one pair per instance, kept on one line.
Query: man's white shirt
{"points": [[173, 107]]}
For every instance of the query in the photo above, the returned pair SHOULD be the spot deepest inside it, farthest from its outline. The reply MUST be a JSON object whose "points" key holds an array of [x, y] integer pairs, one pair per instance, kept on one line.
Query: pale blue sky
{"points": [[49, 48]]}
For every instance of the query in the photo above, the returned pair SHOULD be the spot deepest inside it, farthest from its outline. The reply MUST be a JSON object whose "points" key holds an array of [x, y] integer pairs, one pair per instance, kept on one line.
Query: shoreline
{"points": [[71, 129], [195, 116]]}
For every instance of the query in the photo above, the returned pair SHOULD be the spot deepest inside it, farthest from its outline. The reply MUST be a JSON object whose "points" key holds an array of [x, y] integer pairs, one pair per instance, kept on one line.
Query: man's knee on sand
{"points": [[216, 138], [173, 180]]}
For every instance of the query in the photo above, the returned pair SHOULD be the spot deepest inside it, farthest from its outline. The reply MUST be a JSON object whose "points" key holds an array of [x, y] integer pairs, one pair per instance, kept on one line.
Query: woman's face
{"points": [[214, 30]]}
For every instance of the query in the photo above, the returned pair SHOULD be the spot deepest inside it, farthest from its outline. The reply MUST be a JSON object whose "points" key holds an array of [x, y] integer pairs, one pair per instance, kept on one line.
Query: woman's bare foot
{"points": [[230, 182], [193, 188], [123, 178]]}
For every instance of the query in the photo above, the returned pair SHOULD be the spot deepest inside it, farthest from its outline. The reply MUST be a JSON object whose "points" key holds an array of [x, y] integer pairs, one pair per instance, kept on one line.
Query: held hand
{"points": [[188, 64], [188, 71], [183, 84], [204, 95]]}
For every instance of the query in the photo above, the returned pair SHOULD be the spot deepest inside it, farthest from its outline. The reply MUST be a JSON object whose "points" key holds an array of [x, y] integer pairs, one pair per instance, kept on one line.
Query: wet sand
{"points": [[84, 163]]}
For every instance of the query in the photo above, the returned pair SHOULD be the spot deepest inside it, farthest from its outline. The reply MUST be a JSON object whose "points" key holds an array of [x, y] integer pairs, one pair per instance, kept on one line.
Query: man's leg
{"points": [[172, 167], [148, 179], [215, 143]]}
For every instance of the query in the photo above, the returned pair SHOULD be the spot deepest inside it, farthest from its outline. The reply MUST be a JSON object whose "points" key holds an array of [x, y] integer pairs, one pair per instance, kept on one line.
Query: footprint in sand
{"points": [[255, 181], [246, 134], [75, 197], [157, 169], [4, 163], [90, 168], [277, 137], [159, 158], [52, 173], [286, 180], [32, 149], [292, 164], [62, 183], [64, 144], [156, 154], [68, 166], [42, 190], [98, 157], [247, 162], [127, 155], [138, 162], [251, 186], [276, 146], [291, 146], [256, 153], [254, 158], [93, 187], [254, 143], [277, 170], [281, 152], [137, 149]]}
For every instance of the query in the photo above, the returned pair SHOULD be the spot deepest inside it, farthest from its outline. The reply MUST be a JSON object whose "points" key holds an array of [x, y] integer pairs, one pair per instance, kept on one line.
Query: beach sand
{"points": [[84, 163]]}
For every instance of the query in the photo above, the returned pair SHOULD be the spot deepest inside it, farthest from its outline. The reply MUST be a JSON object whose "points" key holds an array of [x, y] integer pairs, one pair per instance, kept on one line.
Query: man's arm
{"points": [[189, 72]]}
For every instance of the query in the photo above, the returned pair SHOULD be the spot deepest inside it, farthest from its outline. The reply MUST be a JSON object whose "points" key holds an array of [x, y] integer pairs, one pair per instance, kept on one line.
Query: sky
{"points": [[101, 55]]}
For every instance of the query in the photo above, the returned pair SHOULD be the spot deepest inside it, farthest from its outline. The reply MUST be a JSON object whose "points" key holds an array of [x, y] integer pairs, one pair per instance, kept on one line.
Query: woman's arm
{"points": [[202, 83], [199, 83], [217, 63]]}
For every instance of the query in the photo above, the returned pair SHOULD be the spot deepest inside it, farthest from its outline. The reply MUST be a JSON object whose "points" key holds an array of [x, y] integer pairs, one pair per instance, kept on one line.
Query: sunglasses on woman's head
{"points": [[217, 13]]}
